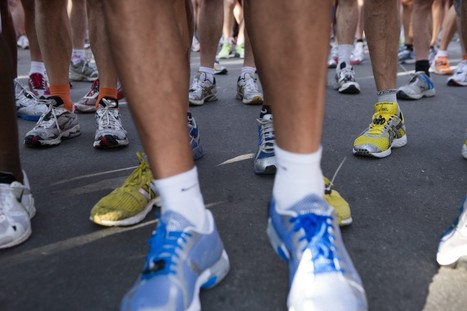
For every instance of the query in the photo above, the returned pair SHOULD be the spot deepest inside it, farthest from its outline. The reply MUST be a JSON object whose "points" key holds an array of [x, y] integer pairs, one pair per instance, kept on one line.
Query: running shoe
{"points": [[321, 273], [56, 124], [226, 51], [332, 59], [28, 106], [23, 42], [406, 56], [110, 132], [453, 244], [131, 202], [358, 54], [38, 85], [202, 89], [420, 85], [193, 133], [195, 46], [386, 131], [459, 78], [441, 66], [83, 70], [265, 159], [432, 54], [180, 262], [336, 201], [219, 69], [248, 89], [464, 147], [88, 102], [345, 80], [16, 210], [240, 50]]}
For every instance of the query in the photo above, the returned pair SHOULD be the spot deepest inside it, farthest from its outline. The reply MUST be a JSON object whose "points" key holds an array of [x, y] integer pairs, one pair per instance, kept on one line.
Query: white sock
{"points": [[297, 176], [181, 193], [344, 51], [248, 69], [77, 55], [441, 53], [37, 67], [210, 72], [387, 96]]}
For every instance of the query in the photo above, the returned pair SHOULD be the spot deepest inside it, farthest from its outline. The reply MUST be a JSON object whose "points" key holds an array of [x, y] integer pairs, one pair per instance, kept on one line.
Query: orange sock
{"points": [[464, 57], [106, 92], [62, 91]]}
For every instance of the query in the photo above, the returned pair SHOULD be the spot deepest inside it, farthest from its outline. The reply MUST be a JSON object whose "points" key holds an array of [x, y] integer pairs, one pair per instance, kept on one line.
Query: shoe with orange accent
{"points": [[441, 66]]}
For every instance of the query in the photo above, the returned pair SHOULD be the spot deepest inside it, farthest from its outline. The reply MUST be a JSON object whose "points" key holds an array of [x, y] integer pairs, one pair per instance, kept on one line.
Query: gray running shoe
{"points": [[265, 159], [56, 124], [88, 102], [84, 70], [248, 89], [110, 132], [28, 106], [459, 78], [202, 89], [420, 85], [345, 80]]}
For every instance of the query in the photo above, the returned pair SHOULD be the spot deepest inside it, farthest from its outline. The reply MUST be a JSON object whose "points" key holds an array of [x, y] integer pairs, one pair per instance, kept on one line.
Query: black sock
{"points": [[409, 46], [423, 65], [7, 178]]}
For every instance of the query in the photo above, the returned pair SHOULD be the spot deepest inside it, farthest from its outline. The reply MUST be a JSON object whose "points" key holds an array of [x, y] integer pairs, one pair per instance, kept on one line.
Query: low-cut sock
{"points": [[387, 96], [298, 175], [181, 193], [110, 92], [62, 91], [37, 67]]}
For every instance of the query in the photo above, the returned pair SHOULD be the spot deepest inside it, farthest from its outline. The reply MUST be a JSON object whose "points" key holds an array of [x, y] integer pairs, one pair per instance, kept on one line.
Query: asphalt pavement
{"points": [[400, 205]]}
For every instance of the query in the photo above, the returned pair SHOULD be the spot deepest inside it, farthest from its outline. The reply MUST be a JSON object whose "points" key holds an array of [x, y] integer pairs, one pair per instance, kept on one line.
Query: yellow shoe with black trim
{"points": [[386, 131], [130, 203], [340, 205]]}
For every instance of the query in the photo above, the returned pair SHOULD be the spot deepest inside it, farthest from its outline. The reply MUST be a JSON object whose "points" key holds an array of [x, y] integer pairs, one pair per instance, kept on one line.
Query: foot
{"points": [[110, 132], [203, 89], [420, 85]]}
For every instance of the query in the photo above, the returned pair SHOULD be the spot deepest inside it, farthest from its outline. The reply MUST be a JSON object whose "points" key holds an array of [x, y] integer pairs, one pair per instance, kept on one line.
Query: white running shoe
{"points": [[88, 102], [358, 54], [459, 78], [84, 70], [453, 244], [248, 89], [110, 132], [203, 89], [345, 80], [16, 210], [28, 106], [420, 85]]}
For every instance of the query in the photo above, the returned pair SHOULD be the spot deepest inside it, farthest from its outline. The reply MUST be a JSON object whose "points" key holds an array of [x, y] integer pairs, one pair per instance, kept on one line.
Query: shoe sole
{"points": [[18, 241], [256, 100], [28, 117], [351, 88], [269, 170], [35, 142], [194, 102], [455, 83], [84, 108], [110, 142], [403, 95], [396, 143], [81, 78], [133, 220]]}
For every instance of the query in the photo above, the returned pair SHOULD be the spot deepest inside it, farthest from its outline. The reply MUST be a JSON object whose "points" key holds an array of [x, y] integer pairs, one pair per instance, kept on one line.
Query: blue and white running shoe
{"points": [[181, 260], [193, 132], [265, 159], [322, 276]]}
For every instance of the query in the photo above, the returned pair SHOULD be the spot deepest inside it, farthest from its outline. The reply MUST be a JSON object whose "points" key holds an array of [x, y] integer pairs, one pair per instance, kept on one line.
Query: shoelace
{"points": [[137, 177], [163, 253], [328, 187], [107, 118], [346, 74], [251, 85], [319, 235], [266, 135], [49, 118], [38, 81], [379, 124]]}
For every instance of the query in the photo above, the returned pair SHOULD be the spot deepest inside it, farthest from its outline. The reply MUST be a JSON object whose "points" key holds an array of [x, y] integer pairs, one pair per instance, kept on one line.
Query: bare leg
{"points": [[29, 11], [422, 21], [210, 30], [78, 21]]}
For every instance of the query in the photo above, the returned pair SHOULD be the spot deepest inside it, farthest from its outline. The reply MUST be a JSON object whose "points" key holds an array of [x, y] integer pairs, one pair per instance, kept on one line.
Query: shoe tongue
{"points": [[386, 108], [175, 221], [266, 113], [312, 204]]}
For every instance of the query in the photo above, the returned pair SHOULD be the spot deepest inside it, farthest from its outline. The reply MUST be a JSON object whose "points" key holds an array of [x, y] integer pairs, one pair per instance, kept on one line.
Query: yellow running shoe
{"points": [[387, 130], [340, 205], [130, 203]]}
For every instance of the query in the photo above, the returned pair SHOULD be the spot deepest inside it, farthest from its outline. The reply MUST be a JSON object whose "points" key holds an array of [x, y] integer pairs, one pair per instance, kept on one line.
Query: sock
{"points": [[106, 92], [209, 72], [441, 53], [181, 194], [248, 69], [387, 96], [7, 178], [62, 91], [344, 51], [37, 67], [297, 176], [423, 65], [77, 55]]}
